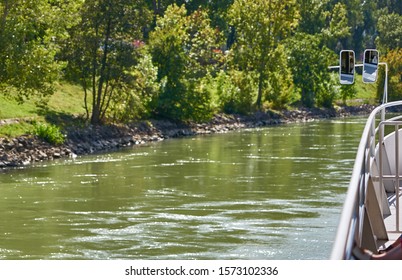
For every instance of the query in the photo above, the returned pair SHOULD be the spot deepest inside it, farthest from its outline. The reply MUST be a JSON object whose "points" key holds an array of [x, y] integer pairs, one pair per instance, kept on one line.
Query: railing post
{"points": [[385, 96], [381, 155], [397, 174]]}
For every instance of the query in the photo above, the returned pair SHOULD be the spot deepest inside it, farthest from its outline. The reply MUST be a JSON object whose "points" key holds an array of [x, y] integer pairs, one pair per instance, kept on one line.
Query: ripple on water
{"points": [[255, 194]]}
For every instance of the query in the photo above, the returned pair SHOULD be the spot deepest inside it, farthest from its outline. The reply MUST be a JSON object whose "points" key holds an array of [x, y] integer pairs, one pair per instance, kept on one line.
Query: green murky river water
{"points": [[271, 193]]}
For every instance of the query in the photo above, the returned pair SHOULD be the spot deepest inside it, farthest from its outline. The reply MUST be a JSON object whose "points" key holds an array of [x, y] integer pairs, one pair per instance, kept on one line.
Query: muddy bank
{"points": [[28, 149]]}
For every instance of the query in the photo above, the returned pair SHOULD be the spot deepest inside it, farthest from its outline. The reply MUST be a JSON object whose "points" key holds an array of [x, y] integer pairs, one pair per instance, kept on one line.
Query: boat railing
{"points": [[369, 176], [393, 178]]}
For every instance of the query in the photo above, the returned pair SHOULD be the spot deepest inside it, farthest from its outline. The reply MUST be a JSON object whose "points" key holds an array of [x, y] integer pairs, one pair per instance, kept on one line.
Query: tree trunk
{"points": [[261, 70], [97, 106], [260, 86]]}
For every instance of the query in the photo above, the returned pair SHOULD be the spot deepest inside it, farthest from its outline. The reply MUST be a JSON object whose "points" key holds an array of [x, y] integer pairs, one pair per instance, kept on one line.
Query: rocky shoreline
{"points": [[28, 149]]}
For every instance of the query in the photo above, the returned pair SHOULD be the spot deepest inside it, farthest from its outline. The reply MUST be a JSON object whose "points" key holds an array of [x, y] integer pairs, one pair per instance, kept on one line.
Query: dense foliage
{"points": [[188, 59]]}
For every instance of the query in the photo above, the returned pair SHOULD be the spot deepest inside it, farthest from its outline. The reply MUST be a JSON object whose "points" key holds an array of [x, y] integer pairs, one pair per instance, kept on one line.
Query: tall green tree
{"points": [[185, 48], [216, 10], [309, 63], [216, 6], [260, 25], [313, 15], [341, 23], [29, 35], [369, 25], [355, 15], [103, 49], [136, 95], [337, 29], [392, 6], [389, 32], [167, 43], [394, 60]]}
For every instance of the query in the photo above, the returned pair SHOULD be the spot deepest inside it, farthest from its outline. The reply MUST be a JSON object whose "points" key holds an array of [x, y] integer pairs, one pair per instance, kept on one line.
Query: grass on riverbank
{"points": [[65, 103], [366, 93], [68, 102]]}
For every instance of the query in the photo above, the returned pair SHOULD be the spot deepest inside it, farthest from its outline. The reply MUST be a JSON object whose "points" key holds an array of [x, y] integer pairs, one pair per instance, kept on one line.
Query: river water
{"points": [[270, 193]]}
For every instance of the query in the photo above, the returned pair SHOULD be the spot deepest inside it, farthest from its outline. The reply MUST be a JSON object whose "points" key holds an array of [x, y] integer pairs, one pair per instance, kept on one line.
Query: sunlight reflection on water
{"points": [[254, 194]]}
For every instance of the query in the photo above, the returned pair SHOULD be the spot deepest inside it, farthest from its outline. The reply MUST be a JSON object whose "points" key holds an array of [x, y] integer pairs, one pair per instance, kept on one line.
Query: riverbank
{"points": [[28, 149]]}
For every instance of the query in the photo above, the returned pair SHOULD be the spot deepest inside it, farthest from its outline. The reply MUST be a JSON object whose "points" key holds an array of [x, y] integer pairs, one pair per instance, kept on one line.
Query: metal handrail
{"points": [[350, 222], [397, 178]]}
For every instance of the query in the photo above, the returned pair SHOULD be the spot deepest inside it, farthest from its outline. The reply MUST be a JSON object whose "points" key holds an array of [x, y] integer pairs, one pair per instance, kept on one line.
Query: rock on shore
{"points": [[28, 149]]}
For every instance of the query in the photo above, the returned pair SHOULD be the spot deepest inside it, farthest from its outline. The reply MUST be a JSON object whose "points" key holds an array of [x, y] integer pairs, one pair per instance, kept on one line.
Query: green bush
{"points": [[236, 91], [135, 99], [50, 133]]}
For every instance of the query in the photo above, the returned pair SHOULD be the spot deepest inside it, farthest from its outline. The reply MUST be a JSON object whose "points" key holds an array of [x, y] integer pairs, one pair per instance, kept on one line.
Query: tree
{"points": [[29, 35], [167, 48], [337, 28], [392, 6], [389, 32], [216, 10], [216, 6], [280, 90], [103, 48], [136, 96], [260, 25], [355, 15], [313, 16], [394, 61], [309, 63], [185, 48], [369, 25]]}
